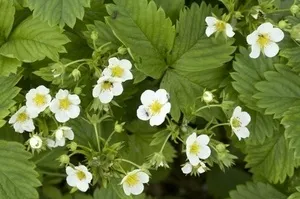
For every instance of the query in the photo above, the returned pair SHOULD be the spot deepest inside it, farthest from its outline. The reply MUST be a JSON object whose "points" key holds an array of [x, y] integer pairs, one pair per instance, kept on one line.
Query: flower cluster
{"points": [[110, 82]]}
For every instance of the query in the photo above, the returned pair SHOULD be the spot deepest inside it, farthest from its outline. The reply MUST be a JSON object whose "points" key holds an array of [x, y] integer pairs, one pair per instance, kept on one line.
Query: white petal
{"points": [[13, 119], [255, 51], [74, 99], [106, 97], [147, 97], [191, 139], [103, 79], [69, 134], [73, 111], [28, 125], [96, 91], [252, 38], [210, 30], [200, 170], [54, 106], [204, 152], [203, 139], [276, 35], [107, 72], [157, 120], [194, 159], [33, 112], [59, 134], [265, 28], [162, 96], [117, 89], [51, 143], [166, 108], [126, 64], [127, 189], [229, 30], [137, 189], [244, 118], [113, 61], [127, 75], [241, 132], [271, 49], [143, 177], [61, 116], [187, 168], [142, 113], [62, 94], [42, 90], [89, 177], [70, 170], [72, 180], [211, 21], [60, 142], [18, 127], [237, 111], [82, 168], [82, 186]]}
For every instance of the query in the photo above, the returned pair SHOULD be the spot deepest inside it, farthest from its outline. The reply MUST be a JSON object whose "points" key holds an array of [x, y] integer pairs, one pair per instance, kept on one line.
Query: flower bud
{"points": [[295, 32], [119, 127], [94, 35], [77, 90], [208, 97], [158, 160], [64, 159], [76, 74], [294, 9], [72, 146], [221, 147], [122, 50], [283, 24]]}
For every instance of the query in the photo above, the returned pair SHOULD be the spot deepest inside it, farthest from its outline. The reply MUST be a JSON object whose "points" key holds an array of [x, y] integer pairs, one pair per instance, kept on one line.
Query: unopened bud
{"points": [[94, 35], [77, 90], [122, 50], [294, 9], [72, 146], [76, 74], [208, 97], [295, 32], [220, 147], [64, 159], [283, 24], [119, 127]]}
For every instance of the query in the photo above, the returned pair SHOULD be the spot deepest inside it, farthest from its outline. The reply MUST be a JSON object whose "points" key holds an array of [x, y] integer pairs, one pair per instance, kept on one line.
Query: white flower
{"points": [[50, 143], [35, 142], [61, 134], [107, 87], [22, 120], [65, 106], [238, 121], [187, 168], [133, 182], [79, 177], [264, 39], [119, 69], [38, 99], [208, 97], [155, 106], [215, 25], [196, 147]]}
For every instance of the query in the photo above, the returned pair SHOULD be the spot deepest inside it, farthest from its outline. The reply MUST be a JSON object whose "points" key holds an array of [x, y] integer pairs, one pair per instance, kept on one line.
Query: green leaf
{"points": [[34, 40], [292, 54], [138, 20], [292, 129], [261, 127], [256, 190], [97, 11], [294, 196], [8, 65], [59, 12], [280, 92], [272, 159], [8, 92], [18, 178], [181, 95], [7, 12], [171, 7], [247, 73], [193, 51]]}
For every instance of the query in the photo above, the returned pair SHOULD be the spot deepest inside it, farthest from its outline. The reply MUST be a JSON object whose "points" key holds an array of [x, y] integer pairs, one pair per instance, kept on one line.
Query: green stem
{"points": [[97, 135], [128, 161], [208, 106], [165, 142], [217, 125], [76, 61], [280, 10], [109, 137]]}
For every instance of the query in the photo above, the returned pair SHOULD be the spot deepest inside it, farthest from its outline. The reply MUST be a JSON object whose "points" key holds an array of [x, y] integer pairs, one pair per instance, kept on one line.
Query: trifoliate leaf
{"points": [[292, 128], [59, 12], [34, 40], [193, 51], [7, 12], [247, 73], [18, 178], [138, 20], [256, 190], [261, 127], [279, 92], [8, 92], [182, 95], [272, 159], [8, 65]]}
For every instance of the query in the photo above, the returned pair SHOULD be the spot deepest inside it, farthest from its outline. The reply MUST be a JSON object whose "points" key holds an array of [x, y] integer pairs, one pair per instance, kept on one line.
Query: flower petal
{"points": [[276, 34], [252, 38], [265, 28], [203, 139], [73, 111], [204, 152], [229, 30], [96, 91], [271, 49], [191, 139], [70, 170], [74, 99], [210, 30], [82, 186], [166, 108], [127, 75], [162, 96], [72, 180], [127, 189], [193, 159], [142, 113], [107, 72], [143, 177], [54, 106], [187, 168], [255, 51], [61, 116], [113, 61], [147, 97], [241, 132], [157, 120], [117, 89], [244, 118], [126, 64], [69, 134], [61, 94], [137, 189], [106, 97], [211, 21], [237, 111]]}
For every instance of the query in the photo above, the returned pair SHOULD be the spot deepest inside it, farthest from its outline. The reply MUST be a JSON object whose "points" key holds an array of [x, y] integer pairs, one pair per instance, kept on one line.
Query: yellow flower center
{"points": [[235, 123], [22, 117], [39, 99], [155, 107], [263, 40], [106, 85], [195, 148], [220, 26], [64, 103], [117, 71], [132, 180], [80, 175]]}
